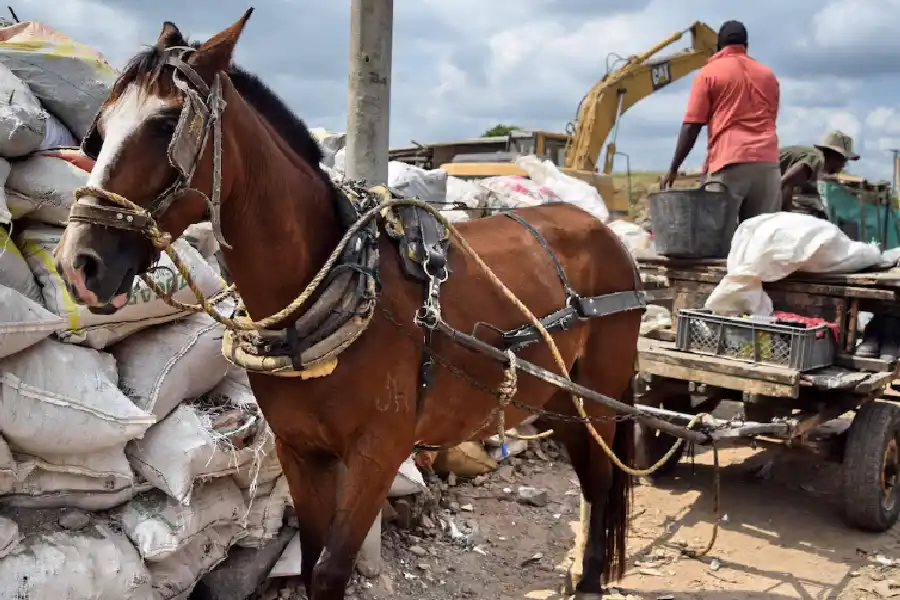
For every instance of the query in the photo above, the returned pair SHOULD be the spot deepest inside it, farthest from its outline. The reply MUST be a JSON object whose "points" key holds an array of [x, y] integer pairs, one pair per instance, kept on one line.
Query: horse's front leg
{"points": [[371, 468], [313, 481]]}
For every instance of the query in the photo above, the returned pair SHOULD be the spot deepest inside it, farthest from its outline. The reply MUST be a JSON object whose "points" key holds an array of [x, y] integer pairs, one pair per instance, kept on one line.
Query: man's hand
{"points": [[668, 179]]}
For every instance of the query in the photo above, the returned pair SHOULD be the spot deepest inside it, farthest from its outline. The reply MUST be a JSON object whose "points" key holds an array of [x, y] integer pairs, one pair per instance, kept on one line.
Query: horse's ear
{"points": [[170, 36], [215, 54]]}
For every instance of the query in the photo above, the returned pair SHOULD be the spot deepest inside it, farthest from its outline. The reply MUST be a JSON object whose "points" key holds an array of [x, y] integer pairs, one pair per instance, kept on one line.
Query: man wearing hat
{"points": [[736, 98], [801, 167]]}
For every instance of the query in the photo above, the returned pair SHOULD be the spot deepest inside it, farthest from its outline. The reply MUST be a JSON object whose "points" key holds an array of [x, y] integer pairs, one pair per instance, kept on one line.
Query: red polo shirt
{"points": [[737, 99]]}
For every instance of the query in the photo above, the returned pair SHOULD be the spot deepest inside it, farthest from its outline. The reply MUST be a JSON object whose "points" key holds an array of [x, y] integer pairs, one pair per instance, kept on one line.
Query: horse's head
{"points": [[157, 159]]}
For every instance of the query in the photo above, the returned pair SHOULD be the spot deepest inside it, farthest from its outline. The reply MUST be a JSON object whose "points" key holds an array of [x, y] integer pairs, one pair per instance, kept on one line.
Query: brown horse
{"points": [[279, 215]]}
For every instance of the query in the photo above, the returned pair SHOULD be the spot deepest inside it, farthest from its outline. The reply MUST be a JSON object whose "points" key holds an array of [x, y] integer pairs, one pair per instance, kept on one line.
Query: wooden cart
{"points": [[783, 405]]}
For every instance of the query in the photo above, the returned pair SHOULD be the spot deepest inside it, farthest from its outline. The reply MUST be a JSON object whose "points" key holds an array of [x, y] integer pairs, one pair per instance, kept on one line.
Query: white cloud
{"points": [[464, 65]]}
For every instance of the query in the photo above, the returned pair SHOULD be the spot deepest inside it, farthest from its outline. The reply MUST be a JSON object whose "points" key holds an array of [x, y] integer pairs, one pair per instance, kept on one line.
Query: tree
{"points": [[500, 130]]}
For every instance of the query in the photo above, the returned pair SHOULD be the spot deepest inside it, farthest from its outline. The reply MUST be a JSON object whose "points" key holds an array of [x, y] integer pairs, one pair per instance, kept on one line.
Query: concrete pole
{"points": [[368, 114]]}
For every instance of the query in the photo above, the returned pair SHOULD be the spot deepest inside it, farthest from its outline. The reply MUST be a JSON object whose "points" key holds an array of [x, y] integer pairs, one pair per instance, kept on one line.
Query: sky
{"points": [[461, 66]]}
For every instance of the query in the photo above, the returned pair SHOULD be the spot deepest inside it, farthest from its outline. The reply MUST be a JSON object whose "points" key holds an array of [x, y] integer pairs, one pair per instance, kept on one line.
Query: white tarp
{"points": [[774, 245]]}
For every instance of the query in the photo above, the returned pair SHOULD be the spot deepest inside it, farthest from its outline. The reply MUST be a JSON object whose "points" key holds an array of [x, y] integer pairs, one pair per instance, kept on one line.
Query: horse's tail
{"points": [[618, 504]]}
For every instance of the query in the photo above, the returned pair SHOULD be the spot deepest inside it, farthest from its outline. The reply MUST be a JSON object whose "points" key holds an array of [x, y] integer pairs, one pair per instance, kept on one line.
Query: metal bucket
{"points": [[694, 223]]}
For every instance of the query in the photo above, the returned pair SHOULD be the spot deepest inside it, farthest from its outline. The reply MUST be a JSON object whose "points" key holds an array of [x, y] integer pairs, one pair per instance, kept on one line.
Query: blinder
{"points": [[200, 114]]}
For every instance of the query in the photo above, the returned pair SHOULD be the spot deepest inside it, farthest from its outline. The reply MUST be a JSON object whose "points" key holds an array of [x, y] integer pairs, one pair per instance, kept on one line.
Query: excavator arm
{"points": [[620, 89]]}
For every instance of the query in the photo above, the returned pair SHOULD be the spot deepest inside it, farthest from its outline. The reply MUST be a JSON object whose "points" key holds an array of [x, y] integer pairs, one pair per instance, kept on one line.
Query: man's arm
{"points": [[695, 117], [798, 175]]}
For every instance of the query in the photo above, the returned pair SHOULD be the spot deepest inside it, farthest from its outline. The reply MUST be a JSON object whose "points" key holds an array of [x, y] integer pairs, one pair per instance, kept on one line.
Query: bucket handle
{"points": [[705, 184]]}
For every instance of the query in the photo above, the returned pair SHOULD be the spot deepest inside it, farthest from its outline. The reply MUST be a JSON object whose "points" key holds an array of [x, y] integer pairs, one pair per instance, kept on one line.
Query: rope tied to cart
{"points": [[163, 242]]}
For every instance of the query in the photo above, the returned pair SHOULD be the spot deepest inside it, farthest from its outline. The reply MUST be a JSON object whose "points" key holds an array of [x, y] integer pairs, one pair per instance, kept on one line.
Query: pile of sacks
{"points": [[132, 455], [544, 183]]}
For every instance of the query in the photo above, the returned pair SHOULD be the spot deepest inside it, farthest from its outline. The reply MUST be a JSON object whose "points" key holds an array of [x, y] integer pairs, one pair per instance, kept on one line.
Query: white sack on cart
{"points": [[95, 563], [198, 440], [770, 247], [96, 481], [160, 527], [15, 272], [515, 191], [176, 576], [161, 366], [23, 322], [142, 308], [415, 182], [571, 190], [62, 399], [45, 186]]}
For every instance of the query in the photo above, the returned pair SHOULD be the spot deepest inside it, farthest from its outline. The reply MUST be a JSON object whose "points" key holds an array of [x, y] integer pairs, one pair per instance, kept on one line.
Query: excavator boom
{"points": [[619, 90]]}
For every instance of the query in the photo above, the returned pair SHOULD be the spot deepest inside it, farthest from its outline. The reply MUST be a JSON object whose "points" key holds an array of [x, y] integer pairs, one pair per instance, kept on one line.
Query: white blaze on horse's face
{"points": [[120, 122]]}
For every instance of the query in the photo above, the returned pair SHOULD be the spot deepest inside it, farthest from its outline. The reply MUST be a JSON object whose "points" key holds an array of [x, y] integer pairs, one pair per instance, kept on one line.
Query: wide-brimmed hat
{"points": [[840, 142]]}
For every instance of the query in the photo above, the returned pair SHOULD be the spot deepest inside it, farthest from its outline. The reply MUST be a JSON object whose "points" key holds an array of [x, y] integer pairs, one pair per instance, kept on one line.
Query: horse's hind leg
{"points": [[313, 480], [371, 467]]}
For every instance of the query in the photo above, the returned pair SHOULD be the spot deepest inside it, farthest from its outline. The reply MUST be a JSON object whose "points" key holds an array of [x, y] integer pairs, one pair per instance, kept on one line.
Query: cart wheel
{"points": [[871, 467], [653, 444]]}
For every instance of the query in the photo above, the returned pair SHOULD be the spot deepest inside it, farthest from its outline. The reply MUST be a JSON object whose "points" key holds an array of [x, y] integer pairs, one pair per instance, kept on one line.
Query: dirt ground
{"points": [[780, 537]]}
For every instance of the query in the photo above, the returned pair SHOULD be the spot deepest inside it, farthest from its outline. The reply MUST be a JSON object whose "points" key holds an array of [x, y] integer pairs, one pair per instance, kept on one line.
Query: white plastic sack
{"points": [[97, 481], [161, 366], [466, 192], [95, 563], [5, 212], [175, 577], [635, 238], [408, 481], [142, 309], [159, 526], [10, 537], [69, 78], [265, 516], [45, 187], [772, 246], [15, 272], [330, 142], [23, 121], [23, 323], [514, 191], [572, 190], [412, 181], [62, 399], [201, 237], [57, 135], [8, 475], [187, 446]]}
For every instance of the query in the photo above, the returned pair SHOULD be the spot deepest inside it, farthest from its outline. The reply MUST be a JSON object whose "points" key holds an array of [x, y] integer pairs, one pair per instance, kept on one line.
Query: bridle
{"points": [[201, 114]]}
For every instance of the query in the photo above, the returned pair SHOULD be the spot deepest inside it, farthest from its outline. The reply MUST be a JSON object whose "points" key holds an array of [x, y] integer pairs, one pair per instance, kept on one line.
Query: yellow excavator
{"points": [[626, 82]]}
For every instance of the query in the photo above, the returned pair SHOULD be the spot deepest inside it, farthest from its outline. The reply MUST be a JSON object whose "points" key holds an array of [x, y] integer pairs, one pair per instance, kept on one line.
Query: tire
{"points": [[871, 468], [655, 443]]}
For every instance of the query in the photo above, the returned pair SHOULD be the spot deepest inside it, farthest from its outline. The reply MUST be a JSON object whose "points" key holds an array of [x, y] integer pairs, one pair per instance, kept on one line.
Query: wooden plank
{"points": [[731, 382], [665, 352], [859, 363], [875, 381], [820, 289]]}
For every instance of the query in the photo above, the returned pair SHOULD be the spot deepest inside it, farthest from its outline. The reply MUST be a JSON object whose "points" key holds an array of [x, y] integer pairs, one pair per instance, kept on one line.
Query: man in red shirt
{"points": [[737, 99]]}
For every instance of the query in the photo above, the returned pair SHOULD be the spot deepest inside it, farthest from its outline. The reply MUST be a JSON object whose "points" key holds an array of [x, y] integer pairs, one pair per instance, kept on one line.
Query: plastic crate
{"points": [[749, 340]]}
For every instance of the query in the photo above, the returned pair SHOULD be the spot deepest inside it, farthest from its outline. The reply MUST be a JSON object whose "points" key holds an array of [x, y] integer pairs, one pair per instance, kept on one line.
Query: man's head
{"points": [[732, 33], [837, 147]]}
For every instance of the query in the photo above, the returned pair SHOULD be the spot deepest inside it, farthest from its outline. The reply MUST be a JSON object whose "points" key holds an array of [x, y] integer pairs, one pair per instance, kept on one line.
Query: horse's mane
{"points": [[147, 66]]}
